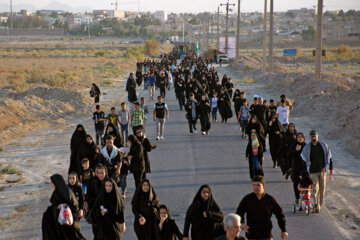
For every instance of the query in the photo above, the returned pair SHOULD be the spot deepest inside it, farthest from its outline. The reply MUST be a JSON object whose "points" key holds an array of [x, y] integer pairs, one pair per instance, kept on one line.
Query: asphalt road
{"points": [[182, 163]]}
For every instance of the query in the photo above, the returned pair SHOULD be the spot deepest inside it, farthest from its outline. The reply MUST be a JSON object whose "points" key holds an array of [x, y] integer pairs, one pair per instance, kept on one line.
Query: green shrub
{"points": [[152, 47], [10, 170], [134, 52]]}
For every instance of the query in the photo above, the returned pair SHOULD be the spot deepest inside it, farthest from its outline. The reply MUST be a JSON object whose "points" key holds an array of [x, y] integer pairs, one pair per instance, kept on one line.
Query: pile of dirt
{"points": [[38, 107], [333, 101]]}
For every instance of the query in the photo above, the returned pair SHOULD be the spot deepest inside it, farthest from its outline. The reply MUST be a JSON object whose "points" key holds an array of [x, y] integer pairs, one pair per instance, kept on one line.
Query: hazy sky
{"points": [[198, 5]]}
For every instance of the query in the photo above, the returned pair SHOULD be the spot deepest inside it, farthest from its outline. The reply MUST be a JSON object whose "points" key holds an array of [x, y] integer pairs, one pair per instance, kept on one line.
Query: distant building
{"points": [[86, 20], [109, 13], [3, 19], [48, 12], [50, 20], [161, 15], [24, 12]]}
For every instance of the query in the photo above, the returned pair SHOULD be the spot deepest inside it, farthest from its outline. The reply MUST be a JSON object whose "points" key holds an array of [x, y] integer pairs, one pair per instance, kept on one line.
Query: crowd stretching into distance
{"points": [[97, 176]]}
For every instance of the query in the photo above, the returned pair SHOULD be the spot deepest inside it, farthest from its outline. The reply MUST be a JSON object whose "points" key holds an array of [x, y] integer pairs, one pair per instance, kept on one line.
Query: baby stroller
{"points": [[305, 201]]}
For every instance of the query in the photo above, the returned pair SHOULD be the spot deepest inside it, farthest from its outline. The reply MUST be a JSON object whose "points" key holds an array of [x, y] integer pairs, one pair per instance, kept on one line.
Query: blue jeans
{"points": [[123, 183], [84, 187], [124, 129], [181, 102], [99, 133], [214, 113]]}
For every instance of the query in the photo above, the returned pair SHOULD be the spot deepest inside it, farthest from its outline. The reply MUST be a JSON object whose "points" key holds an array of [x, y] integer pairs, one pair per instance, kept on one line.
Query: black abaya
{"points": [[77, 139], [51, 228], [204, 110], [203, 228], [108, 227], [131, 89], [224, 105], [145, 205]]}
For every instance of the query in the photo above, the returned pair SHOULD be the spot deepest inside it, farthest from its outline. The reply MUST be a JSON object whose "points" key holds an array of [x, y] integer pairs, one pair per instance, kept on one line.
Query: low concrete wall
{"points": [[31, 32]]}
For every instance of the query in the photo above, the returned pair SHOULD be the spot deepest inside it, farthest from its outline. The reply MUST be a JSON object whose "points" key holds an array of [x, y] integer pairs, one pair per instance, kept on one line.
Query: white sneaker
{"points": [[195, 131], [203, 133], [158, 138], [162, 138]]}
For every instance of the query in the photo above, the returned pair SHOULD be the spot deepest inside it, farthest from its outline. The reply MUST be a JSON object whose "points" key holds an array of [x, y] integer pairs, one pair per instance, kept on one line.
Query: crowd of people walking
{"points": [[97, 176]]}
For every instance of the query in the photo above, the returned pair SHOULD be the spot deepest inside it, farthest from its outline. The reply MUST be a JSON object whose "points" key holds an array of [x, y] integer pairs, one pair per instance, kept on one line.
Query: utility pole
{"points": [[116, 4], [183, 32], [318, 51], [218, 30], [264, 38], [238, 34], [11, 16], [271, 40], [227, 25], [212, 29]]}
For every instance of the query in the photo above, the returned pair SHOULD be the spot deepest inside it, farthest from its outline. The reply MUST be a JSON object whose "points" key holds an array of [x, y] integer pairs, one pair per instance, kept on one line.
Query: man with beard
{"points": [[147, 147], [110, 157], [318, 159]]}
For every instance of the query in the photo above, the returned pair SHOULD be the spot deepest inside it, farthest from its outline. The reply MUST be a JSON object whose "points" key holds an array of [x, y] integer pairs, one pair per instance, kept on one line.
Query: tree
{"points": [[54, 15], [194, 21], [308, 34]]}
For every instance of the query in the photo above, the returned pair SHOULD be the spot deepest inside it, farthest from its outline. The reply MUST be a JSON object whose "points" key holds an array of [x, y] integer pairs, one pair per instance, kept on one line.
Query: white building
{"points": [[86, 20], [161, 15]]}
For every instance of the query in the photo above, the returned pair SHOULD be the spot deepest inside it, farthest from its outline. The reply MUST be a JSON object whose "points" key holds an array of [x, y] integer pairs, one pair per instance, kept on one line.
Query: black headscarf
{"points": [[63, 193], [78, 137], [149, 196], [206, 204], [115, 133], [112, 200]]}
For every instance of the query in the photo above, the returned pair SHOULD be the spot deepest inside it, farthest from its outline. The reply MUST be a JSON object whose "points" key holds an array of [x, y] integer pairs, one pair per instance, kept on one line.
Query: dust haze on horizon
{"points": [[190, 6]]}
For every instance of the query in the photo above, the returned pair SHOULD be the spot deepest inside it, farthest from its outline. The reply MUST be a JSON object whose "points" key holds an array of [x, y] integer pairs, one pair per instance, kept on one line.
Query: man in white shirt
{"points": [[282, 113]]}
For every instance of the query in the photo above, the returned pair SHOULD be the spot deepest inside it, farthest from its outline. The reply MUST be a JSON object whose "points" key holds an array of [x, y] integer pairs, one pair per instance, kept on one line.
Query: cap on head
{"points": [[313, 133], [137, 103]]}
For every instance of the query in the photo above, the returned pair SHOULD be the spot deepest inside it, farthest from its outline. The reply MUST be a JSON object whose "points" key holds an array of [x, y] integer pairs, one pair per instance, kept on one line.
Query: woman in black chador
{"points": [[168, 229], [131, 88], [255, 126], [78, 138], [224, 105], [90, 150], [113, 131], [276, 132], [205, 216], [204, 109], [139, 77], [51, 228], [145, 206], [110, 211]]}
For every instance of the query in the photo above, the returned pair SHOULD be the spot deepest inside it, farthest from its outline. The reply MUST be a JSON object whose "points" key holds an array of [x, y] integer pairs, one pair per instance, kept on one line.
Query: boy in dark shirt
{"points": [[259, 207], [86, 174]]}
